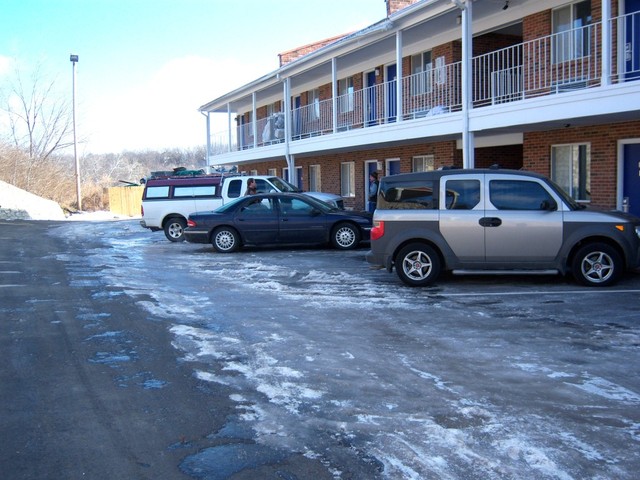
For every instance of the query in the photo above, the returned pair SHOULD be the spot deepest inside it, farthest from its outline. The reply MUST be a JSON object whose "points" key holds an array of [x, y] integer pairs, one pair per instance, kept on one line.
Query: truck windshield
{"points": [[283, 185]]}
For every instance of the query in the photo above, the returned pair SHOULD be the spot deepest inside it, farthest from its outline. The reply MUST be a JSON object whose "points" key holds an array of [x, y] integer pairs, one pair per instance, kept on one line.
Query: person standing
{"points": [[252, 187], [373, 191]]}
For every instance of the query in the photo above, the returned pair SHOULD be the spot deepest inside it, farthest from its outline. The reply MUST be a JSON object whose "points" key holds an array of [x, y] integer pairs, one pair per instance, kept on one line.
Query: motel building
{"points": [[550, 86]]}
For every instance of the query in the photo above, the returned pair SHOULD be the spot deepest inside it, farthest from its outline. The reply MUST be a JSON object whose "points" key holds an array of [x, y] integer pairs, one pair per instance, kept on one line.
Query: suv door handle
{"points": [[490, 222]]}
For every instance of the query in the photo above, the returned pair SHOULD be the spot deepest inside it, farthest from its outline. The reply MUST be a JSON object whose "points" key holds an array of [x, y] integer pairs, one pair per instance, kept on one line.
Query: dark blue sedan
{"points": [[278, 219]]}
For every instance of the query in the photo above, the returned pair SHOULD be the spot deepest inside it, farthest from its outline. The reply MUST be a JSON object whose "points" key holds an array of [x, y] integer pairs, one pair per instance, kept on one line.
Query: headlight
{"points": [[638, 231]]}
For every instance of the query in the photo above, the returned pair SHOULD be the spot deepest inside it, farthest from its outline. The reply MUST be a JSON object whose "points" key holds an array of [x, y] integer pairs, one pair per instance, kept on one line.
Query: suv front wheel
{"points": [[417, 265], [597, 265]]}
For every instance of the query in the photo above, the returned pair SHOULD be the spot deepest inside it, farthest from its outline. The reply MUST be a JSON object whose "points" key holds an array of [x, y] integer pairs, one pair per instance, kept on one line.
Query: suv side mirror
{"points": [[549, 205]]}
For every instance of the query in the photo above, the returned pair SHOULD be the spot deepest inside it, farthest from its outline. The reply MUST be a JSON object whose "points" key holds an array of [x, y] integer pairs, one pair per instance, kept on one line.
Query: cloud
{"points": [[163, 112], [6, 65]]}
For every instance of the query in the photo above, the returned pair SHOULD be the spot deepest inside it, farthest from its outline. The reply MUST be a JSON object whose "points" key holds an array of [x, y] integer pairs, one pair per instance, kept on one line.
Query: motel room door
{"points": [[632, 40], [631, 181]]}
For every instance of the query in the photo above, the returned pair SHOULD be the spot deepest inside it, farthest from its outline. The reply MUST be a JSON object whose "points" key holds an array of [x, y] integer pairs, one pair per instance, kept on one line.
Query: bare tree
{"points": [[39, 121]]}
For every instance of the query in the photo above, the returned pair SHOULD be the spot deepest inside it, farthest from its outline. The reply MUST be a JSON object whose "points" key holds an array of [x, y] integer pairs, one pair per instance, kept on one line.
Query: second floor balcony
{"points": [[551, 65]]}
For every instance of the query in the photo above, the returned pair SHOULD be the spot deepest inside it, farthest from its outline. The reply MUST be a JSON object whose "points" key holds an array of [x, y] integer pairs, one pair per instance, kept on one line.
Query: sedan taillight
{"points": [[191, 223], [378, 230]]}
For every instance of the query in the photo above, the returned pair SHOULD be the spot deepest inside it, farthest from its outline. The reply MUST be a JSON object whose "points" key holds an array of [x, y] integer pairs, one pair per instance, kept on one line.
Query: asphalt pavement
{"points": [[123, 355]]}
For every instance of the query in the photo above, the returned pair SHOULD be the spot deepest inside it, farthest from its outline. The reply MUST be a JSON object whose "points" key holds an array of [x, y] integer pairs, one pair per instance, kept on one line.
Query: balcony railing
{"points": [[548, 65]]}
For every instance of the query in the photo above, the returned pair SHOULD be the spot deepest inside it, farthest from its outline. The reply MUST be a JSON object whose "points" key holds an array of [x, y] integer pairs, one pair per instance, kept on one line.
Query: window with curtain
{"points": [[314, 104], [346, 94], [423, 163], [347, 179], [422, 72], [571, 40], [315, 184], [571, 169]]}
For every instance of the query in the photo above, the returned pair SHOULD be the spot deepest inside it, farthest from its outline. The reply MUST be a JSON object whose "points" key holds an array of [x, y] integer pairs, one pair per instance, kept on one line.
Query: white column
{"points": [[291, 162], [607, 48], [208, 123], [254, 121], [229, 128], [399, 106], [334, 94], [468, 144]]}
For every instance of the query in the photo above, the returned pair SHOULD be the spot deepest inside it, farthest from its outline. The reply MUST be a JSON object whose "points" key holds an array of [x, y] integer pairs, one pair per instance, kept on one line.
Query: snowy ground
{"points": [[17, 204], [472, 379]]}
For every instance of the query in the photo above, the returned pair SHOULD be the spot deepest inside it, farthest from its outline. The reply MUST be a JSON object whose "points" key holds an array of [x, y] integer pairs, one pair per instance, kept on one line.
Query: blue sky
{"points": [[145, 66]]}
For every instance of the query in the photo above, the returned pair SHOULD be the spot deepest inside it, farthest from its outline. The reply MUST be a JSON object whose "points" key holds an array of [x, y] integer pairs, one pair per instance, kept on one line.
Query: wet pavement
{"points": [[299, 363]]}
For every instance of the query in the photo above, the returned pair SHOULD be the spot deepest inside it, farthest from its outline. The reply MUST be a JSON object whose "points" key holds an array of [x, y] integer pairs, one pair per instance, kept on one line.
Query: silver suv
{"points": [[496, 221]]}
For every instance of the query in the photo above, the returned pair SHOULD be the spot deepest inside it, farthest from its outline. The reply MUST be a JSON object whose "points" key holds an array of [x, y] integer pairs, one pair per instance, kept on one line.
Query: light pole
{"points": [[74, 60]]}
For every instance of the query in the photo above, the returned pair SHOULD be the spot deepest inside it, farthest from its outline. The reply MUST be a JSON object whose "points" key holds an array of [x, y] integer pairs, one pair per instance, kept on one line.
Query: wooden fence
{"points": [[126, 200]]}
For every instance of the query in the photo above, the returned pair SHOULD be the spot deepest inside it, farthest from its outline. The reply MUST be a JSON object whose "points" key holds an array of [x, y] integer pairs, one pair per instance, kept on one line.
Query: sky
{"points": [[146, 66]]}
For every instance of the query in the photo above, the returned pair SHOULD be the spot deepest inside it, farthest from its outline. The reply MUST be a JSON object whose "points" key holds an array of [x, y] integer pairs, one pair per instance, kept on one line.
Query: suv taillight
{"points": [[378, 230]]}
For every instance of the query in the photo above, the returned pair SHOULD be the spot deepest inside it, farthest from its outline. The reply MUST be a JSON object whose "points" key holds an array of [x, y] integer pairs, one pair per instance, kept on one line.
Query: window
{"points": [[262, 186], [273, 172], [407, 196], [313, 109], [518, 195], [571, 169], [571, 40], [422, 69], [235, 188], [462, 194], [315, 182], [347, 180], [273, 108], [295, 207], [441, 71], [157, 192], [346, 94], [259, 206], [423, 163]]}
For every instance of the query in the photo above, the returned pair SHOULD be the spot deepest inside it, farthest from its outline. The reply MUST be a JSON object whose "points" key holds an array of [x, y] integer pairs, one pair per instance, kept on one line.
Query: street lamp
{"points": [[74, 60]]}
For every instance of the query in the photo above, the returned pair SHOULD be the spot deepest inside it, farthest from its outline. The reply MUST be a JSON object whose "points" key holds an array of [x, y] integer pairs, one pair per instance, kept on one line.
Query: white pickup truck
{"points": [[167, 202]]}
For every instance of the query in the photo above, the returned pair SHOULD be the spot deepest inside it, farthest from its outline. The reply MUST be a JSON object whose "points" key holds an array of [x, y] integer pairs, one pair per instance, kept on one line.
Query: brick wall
{"points": [[394, 5], [445, 155], [603, 140]]}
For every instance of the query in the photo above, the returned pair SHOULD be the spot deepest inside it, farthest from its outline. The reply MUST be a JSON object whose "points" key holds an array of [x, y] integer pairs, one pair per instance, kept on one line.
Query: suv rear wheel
{"points": [[174, 229], [597, 265], [417, 265]]}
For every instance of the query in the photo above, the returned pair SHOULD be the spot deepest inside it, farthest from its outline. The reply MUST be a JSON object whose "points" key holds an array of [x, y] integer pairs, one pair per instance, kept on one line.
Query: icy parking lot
{"points": [[476, 377]]}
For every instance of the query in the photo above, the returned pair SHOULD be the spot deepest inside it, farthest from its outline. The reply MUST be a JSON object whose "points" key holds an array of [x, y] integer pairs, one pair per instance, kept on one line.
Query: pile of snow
{"points": [[17, 204]]}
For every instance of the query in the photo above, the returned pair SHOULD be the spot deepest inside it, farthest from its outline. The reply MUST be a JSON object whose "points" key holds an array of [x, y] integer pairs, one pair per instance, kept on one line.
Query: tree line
{"points": [[36, 148]]}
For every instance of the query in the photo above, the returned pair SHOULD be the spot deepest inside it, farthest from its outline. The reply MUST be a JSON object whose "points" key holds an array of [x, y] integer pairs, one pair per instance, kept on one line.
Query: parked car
{"points": [[278, 219], [496, 221], [168, 200]]}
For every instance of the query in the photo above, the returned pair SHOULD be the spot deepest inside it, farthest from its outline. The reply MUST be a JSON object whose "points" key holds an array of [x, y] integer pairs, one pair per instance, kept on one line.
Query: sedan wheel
{"points": [[345, 236], [225, 240], [597, 265], [417, 265], [174, 229]]}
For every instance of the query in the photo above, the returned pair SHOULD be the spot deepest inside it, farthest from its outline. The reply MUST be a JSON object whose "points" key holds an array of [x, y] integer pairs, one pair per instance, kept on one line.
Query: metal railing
{"points": [[548, 65], [625, 30], [553, 64]]}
